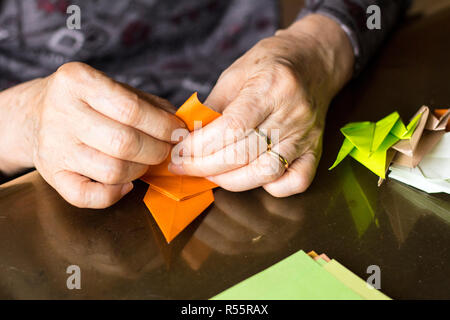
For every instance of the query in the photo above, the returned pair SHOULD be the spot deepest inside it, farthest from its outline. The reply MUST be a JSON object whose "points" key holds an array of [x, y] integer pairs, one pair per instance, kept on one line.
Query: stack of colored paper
{"points": [[303, 277]]}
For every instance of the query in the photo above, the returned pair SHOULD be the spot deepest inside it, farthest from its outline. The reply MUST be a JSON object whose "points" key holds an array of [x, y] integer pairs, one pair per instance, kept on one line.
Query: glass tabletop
{"points": [[122, 253]]}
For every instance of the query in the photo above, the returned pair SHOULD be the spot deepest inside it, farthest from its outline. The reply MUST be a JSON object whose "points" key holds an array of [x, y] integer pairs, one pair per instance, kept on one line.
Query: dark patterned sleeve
{"points": [[352, 16]]}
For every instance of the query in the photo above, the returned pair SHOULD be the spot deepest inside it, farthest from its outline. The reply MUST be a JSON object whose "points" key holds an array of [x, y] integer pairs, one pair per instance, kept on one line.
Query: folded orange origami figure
{"points": [[175, 201]]}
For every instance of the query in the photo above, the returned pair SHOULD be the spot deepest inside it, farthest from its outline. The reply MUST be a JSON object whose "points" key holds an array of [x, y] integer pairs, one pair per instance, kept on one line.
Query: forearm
{"points": [[16, 122]]}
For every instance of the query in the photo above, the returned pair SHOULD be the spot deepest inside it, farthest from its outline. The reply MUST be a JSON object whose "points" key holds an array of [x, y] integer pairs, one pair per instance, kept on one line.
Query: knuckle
{"points": [[235, 122], [268, 169], [123, 143], [128, 109], [114, 172], [259, 86], [69, 70], [286, 75], [272, 173], [226, 74], [166, 126]]}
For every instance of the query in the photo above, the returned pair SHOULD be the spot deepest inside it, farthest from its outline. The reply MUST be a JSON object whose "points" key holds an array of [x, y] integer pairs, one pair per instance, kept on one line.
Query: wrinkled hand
{"points": [[283, 87], [91, 136]]}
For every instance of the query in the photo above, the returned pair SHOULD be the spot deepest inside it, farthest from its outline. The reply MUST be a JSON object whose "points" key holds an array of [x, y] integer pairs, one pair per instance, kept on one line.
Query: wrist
{"points": [[16, 127], [329, 52]]}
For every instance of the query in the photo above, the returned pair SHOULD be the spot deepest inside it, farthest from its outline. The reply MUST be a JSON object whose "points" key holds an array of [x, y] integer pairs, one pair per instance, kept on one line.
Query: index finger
{"points": [[120, 103]]}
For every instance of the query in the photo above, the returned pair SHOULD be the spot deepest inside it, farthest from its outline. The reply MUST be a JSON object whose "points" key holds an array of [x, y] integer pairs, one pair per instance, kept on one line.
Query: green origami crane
{"points": [[368, 142]]}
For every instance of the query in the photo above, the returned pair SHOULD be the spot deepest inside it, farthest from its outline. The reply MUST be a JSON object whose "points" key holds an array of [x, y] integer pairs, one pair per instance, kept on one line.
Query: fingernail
{"points": [[176, 169], [126, 188]]}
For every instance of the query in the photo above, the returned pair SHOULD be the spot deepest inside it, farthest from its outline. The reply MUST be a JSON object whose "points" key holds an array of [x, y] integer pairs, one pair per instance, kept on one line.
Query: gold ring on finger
{"points": [[282, 159], [264, 136]]}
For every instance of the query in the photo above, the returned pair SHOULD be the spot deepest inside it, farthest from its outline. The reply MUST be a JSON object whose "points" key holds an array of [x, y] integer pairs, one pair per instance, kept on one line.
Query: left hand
{"points": [[284, 82]]}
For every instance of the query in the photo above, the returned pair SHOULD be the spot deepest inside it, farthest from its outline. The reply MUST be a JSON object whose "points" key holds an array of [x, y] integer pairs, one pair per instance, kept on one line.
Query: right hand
{"points": [[91, 136]]}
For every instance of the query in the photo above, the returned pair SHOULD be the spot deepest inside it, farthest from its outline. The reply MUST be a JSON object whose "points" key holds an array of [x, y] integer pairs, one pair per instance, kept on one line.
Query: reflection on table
{"points": [[122, 253]]}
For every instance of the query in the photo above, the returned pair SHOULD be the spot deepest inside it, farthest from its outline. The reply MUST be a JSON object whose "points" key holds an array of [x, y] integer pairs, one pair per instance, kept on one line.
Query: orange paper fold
{"points": [[440, 113], [174, 216], [180, 188], [175, 201]]}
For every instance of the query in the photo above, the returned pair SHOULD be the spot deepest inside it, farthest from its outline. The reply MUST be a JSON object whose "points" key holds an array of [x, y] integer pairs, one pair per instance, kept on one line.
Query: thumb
{"points": [[82, 192], [297, 179]]}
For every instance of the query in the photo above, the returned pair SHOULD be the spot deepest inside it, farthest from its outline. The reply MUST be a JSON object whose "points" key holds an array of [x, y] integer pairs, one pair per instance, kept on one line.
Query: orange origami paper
{"points": [[440, 113], [175, 201]]}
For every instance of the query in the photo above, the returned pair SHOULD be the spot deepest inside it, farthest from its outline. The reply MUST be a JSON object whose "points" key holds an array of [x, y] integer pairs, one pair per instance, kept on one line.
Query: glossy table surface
{"points": [[122, 254]]}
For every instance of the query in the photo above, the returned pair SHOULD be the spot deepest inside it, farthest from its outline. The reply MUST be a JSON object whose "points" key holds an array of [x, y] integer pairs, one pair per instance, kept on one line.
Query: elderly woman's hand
{"points": [[88, 135], [281, 87]]}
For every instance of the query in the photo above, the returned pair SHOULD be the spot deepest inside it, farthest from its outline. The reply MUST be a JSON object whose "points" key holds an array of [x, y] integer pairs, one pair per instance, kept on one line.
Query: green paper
{"points": [[357, 134], [368, 142], [321, 262], [294, 278], [353, 282]]}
